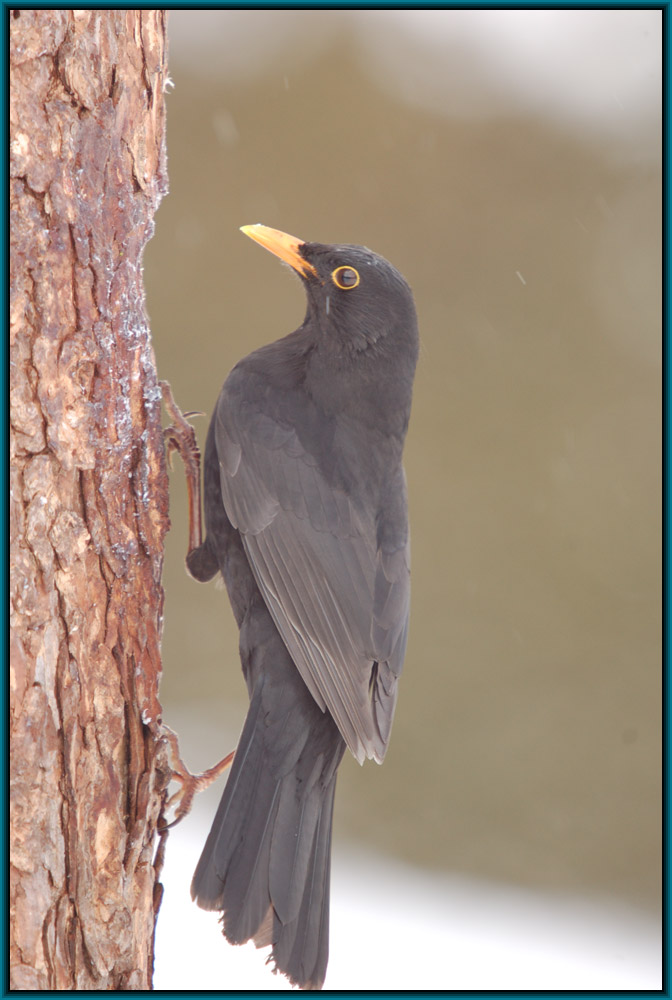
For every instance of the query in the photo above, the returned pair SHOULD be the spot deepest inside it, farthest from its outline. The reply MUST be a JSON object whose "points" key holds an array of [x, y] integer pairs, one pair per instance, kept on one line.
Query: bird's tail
{"points": [[266, 862]]}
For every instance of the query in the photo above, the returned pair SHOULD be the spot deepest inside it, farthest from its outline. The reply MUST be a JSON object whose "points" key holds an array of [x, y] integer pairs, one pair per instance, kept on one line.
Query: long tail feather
{"points": [[266, 862]]}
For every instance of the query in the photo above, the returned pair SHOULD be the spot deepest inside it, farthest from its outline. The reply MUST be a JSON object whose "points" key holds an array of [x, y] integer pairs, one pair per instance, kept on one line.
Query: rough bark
{"points": [[88, 498]]}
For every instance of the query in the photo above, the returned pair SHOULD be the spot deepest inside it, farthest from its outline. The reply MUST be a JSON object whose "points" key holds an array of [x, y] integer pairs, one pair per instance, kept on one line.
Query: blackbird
{"points": [[306, 520]]}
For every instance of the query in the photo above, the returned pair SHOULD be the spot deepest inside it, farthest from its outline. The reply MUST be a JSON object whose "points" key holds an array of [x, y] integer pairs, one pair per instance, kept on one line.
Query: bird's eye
{"points": [[345, 277]]}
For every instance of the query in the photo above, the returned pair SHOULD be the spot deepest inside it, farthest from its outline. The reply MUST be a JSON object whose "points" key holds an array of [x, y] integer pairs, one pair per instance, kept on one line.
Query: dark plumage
{"points": [[305, 511]]}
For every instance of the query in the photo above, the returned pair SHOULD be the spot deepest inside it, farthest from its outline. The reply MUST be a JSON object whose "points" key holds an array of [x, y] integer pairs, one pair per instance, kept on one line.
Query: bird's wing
{"points": [[340, 603]]}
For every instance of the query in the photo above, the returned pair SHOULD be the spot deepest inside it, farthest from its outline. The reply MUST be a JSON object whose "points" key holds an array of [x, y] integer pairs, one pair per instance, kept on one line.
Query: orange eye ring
{"points": [[345, 278]]}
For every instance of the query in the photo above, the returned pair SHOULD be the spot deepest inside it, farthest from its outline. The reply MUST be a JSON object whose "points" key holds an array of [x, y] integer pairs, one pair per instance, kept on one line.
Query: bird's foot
{"points": [[190, 784], [181, 437]]}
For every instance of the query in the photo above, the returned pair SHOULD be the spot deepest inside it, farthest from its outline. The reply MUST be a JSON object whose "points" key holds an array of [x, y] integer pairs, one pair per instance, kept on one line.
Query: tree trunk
{"points": [[88, 498]]}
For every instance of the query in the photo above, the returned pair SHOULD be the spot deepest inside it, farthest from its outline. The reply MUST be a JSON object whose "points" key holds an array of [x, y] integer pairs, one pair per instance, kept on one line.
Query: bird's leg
{"points": [[189, 783], [181, 437]]}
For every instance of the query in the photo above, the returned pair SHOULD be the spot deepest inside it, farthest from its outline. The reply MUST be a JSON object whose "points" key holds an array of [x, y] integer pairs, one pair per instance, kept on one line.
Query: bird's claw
{"points": [[190, 784], [181, 437]]}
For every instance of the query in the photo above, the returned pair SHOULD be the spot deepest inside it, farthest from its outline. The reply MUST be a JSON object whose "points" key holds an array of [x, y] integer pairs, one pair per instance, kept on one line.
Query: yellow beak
{"points": [[283, 245]]}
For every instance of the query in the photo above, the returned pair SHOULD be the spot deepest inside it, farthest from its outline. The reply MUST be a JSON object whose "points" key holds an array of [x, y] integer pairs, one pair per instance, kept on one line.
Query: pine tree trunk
{"points": [[88, 498]]}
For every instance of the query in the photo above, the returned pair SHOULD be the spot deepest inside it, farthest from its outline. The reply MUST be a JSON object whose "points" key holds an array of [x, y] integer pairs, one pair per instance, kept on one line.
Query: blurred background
{"points": [[508, 163]]}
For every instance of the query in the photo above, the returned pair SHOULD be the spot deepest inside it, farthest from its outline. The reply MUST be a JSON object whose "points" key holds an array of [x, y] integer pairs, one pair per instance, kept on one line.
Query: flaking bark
{"points": [[88, 498]]}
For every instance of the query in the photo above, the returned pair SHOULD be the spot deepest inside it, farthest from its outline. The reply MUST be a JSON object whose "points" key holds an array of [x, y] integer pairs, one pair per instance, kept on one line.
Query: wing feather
{"points": [[339, 601]]}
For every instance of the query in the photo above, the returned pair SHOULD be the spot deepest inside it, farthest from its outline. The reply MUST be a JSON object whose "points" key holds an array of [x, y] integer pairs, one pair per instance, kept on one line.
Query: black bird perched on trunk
{"points": [[306, 519]]}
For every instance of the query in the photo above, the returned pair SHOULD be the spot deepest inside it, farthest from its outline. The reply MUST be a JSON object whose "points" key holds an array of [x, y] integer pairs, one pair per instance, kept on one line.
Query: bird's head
{"points": [[357, 300]]}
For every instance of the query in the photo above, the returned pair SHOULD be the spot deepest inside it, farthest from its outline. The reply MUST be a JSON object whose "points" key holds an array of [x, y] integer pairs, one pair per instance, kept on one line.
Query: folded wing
{"points": [[339, 600]]}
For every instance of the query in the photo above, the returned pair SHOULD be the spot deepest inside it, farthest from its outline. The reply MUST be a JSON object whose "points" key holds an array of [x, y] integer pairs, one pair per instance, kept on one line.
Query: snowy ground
{"points": [[397, 928]]}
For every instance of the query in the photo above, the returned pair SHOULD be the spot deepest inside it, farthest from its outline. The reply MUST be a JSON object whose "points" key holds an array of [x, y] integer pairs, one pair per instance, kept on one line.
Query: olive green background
{"points": [[527, 741]]}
